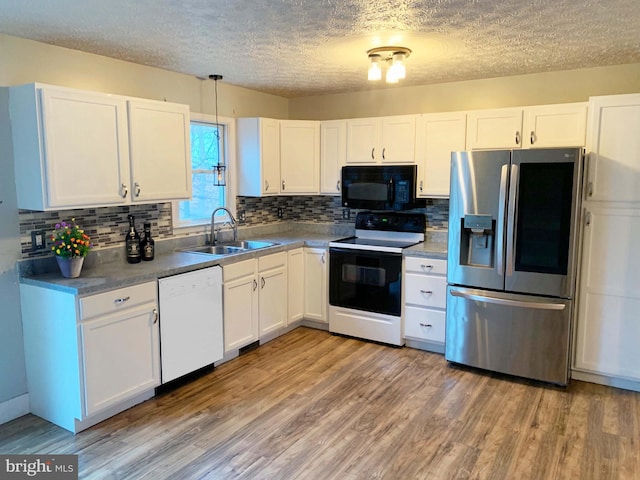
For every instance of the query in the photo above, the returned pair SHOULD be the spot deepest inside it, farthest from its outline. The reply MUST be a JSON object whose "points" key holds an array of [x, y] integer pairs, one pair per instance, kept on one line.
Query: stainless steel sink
{"points": [[230, 248], [250, 244], [216, 249]]}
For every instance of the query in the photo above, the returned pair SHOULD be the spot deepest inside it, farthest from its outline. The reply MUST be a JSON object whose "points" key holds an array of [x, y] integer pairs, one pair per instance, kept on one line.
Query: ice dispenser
{"points": [[477, 238]]}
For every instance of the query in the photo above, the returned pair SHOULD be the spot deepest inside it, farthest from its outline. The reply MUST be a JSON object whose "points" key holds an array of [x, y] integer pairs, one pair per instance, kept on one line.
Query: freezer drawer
{"points": [[519, 335]]}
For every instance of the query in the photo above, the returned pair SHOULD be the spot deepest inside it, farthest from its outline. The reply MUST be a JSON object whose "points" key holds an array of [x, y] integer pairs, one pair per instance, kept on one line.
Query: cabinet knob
{"points": [[428, 325], [425, 266], [155, 316], [372, 153], [120, 301], [266, 185], [590, 189], [338, 185], [384, 150], [262, 282], [587, 219], [137, 187], [517, 138], [426, 292], [283, 185], [322, 258], [532, 137], [124, 190], [421, 182], [255, 284]]}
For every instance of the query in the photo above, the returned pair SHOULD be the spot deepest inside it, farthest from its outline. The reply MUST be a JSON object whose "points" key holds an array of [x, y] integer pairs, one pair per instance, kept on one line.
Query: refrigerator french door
{"points": [[512, 260]]}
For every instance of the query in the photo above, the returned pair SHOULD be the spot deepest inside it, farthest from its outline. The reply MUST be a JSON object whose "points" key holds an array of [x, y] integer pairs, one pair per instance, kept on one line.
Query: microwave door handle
{"points": [[502, 199], [391, 192], [512, 215]]}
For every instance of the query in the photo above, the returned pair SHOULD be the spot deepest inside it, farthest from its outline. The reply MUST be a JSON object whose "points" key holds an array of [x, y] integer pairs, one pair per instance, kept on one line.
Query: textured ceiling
{"points": [[297, 48]]}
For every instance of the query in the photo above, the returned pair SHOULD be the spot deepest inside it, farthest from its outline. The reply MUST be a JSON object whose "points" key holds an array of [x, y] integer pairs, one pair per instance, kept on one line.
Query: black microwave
{"points": [[379, 187]]}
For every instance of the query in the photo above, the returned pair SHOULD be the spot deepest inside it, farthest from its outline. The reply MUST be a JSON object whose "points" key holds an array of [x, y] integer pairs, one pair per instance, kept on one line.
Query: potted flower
{"points": [[70, 246]]}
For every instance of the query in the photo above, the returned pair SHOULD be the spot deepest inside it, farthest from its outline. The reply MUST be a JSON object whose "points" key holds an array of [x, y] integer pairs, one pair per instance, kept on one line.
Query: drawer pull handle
{"points": [[428, 325], [429, 292], [426, 266], [119, 301], [155, 316], [255, 285]]}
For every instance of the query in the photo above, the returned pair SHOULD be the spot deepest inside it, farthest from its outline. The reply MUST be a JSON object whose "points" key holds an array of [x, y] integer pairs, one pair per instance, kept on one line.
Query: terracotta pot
{"points": [[70, 267]]}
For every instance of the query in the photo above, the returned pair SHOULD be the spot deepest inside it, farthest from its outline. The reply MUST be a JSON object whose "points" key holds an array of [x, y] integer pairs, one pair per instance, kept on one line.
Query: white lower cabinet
{"points": [[255, 300], [89, 358], [424, 303], [295, 285], [315, 284]]}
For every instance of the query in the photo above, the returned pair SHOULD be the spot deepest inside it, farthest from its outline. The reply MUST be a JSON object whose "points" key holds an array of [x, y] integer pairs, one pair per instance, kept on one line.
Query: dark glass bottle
{"points": [[134, 255], [147, 245]]}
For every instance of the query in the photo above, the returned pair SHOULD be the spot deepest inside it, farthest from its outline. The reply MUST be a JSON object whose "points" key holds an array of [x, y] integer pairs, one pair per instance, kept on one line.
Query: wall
{"points": [[519, 90]]}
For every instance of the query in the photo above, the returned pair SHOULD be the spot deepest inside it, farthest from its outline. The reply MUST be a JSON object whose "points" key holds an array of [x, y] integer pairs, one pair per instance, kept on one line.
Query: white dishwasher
{"points": [[190, 321]]}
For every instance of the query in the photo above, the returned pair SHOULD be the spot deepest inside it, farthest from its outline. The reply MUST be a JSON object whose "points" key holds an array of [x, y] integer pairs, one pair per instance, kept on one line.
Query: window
{"points": [[204, 155]]}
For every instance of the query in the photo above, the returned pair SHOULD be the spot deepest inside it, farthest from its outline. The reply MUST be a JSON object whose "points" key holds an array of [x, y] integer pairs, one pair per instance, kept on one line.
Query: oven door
{"points": [[365, 280]]}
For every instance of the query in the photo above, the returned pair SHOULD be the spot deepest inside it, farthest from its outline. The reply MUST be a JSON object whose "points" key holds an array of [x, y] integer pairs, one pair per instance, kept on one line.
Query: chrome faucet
{"points": [[232, 223]]}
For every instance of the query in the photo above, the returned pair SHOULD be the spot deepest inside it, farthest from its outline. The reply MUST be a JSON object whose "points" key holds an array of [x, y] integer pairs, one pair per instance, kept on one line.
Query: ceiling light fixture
{"points": [[394, 57], [219, 169]]}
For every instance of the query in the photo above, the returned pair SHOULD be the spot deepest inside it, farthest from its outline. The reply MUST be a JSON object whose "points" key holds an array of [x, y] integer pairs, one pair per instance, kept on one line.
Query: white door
{"points": [[86, 148], [295, 281], [555, 125], [315, 285], [333, 153], [398, 139], [494, 129], [613, 147], [240, 312], [363, 135], [273, 300], [270, 155], [437, 136], [299, 157], [121, 357], [160, 144]]}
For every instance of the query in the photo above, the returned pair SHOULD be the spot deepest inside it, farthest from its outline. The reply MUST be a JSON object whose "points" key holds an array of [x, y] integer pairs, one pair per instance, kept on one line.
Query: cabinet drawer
{"points": [[425, 265], [274, 260], [424, 324], [117, 300], [426, 290], [238, 270]]}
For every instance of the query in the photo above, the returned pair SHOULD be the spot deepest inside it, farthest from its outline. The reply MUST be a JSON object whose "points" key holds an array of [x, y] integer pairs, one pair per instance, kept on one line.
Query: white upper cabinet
{"points": [[72, 149], [437, 135], [381, 140], [160, 150], [561, 125], [258, 156], [613, 148], [333, 153], [299, 157]]}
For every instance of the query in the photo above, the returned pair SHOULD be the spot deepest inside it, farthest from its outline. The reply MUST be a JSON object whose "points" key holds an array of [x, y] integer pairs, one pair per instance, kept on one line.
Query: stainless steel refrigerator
{"points": [[512, 246]]}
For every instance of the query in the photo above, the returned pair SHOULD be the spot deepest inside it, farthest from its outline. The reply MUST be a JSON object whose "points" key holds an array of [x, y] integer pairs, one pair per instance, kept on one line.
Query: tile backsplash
{"points": [[107, 226]]}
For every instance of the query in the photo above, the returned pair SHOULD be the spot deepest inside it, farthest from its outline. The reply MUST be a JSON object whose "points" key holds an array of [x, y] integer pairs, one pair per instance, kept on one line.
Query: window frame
{"points": [[229, 145]]}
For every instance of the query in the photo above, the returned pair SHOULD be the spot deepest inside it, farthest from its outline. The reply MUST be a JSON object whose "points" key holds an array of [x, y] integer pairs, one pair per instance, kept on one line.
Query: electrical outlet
{"points": [[280, 212], [38, 240], [346, 213], [243, 216]]}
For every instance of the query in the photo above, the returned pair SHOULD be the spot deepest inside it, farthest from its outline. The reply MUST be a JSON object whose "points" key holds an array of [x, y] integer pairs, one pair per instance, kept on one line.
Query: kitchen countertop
{"points": [[117, 274]]}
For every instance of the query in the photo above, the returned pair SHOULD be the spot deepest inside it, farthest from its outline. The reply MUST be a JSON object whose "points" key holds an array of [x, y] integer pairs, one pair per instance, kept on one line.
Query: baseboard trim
{"points": [[14, 408], [427, 346], [605, 380]]}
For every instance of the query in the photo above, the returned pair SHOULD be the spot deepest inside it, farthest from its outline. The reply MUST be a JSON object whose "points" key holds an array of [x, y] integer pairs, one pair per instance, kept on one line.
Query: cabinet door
{"points": [[299, 157], [333, 153], [315, 285], [295, 281], [492, 129], [273, 300], [160, 151], [362, 140], [608, 325], [270, 156], [613, 146], [240, 312], [398, 139], [86, 158], [437, 136], [121, 357], [555, 125]]}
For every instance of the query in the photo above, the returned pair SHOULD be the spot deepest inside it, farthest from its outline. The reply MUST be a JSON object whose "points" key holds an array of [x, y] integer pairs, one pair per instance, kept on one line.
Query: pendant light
{"points": [[219, 178]]}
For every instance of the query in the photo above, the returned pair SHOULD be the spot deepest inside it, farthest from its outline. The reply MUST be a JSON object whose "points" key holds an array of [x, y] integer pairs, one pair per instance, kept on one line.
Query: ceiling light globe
{"points": [[375, 71]]}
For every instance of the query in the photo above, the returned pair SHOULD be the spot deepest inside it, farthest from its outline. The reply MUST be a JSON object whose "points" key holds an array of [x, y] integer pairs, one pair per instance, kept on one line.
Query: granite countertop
{"points": [[110, 275]]}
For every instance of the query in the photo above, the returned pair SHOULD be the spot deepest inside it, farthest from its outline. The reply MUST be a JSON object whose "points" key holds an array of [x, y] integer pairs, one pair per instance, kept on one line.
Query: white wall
{"points": [[518, 90]]}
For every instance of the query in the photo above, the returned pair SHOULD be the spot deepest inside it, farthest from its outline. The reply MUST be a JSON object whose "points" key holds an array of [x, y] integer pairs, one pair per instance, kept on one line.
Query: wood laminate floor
{"points": [[310, 405]]}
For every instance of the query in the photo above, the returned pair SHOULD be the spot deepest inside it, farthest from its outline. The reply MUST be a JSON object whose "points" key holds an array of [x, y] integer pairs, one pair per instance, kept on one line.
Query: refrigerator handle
{"points": [[499, 241], [511, 220], [507, 302]]}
